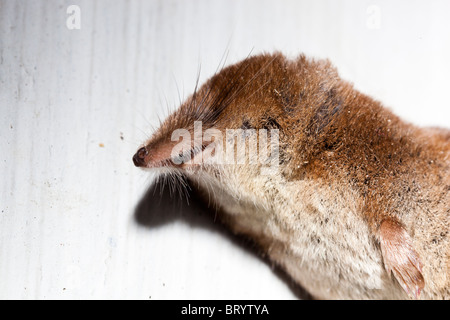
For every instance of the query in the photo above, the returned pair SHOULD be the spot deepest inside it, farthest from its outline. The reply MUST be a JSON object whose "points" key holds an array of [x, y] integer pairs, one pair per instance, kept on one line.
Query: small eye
{"points": [[246, 125]]}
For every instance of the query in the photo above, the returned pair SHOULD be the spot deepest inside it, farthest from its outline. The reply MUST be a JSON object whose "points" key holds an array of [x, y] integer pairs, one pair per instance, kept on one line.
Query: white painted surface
{"points": [[69, 190]]}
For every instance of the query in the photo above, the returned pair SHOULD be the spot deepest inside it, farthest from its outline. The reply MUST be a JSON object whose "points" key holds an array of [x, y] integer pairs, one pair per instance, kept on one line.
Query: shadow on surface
{"points": [[160, 206]]}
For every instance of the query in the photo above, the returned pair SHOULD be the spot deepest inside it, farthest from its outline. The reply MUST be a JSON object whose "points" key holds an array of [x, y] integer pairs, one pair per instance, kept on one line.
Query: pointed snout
{"points": [[139, 157]]}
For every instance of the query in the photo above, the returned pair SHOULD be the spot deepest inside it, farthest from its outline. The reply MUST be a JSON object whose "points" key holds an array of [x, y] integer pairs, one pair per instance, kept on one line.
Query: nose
{"points": [[139, 157]]}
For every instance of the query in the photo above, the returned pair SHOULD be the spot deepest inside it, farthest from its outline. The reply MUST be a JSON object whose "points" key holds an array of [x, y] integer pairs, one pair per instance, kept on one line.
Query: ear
{"points": [[400, 258]]}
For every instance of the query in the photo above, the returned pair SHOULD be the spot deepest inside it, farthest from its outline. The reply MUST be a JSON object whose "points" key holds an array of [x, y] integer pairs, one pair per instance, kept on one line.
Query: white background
{"points": [[76, 104]]}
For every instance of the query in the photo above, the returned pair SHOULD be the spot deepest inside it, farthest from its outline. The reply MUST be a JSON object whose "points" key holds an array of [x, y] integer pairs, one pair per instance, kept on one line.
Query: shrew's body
{"points": [[360, 204]]}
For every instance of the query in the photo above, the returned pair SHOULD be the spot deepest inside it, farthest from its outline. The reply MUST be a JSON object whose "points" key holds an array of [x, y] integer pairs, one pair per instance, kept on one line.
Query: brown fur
{"points": [[336, 142]]}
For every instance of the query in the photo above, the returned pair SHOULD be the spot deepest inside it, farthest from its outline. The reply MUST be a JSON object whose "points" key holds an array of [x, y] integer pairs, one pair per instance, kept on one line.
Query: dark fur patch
{"points": [[326, 112]]}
